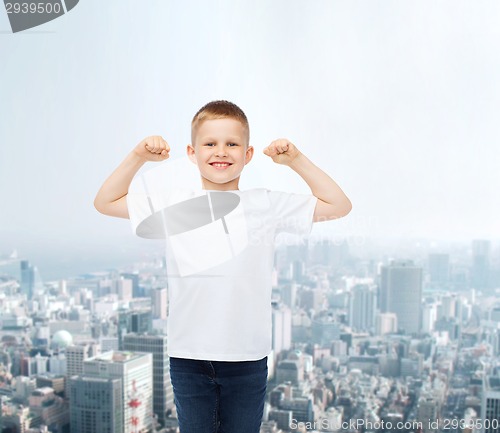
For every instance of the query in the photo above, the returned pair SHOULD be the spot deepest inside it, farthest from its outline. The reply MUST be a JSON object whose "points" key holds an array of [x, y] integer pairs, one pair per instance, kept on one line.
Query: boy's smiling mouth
{"points": [[220, 165]]}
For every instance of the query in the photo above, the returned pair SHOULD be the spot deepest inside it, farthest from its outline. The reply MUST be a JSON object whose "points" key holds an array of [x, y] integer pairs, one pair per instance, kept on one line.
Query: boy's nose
{"points": [[220, 151]]}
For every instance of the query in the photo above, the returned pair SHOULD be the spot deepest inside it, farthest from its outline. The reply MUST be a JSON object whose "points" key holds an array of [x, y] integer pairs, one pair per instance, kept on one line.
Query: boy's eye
{"points": [[229, 144]]}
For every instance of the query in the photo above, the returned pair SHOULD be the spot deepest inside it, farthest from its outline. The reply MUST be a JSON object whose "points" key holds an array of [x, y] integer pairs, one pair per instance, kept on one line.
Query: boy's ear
{"points": [[190, 153], [249, 154]]}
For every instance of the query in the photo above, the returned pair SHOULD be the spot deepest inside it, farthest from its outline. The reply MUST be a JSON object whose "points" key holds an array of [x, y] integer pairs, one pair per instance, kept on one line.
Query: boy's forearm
{"points": [[117, 184], [322, 185]]}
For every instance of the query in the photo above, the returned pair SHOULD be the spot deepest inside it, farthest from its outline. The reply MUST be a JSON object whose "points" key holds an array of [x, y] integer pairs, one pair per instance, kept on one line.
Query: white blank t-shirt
{"points": [[219, 254]]}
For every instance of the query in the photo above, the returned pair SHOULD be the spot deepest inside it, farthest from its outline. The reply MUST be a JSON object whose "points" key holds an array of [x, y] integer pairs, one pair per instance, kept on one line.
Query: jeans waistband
{"points": [[217, 368]]}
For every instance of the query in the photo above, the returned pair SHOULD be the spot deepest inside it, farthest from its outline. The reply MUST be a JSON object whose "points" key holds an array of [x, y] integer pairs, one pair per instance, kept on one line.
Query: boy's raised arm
{"points": [[332, 202], [111, 197]]}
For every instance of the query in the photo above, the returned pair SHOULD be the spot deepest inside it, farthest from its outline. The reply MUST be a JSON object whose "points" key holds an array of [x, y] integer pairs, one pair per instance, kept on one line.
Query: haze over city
{"points": [[397, 101]]}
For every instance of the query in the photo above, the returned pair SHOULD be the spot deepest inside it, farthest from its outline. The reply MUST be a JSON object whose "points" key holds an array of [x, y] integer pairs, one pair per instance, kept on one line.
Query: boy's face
{"points": [[220, 151]]}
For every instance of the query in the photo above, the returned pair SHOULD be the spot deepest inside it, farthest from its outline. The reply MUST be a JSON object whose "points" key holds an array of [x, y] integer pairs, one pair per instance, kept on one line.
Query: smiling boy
{"points": [[219, 314]]}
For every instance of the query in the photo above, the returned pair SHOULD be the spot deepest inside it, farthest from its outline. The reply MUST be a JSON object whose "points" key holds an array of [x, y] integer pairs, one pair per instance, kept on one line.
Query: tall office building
{"points": [[96, 405], [159, 303], [311, 299], [401, 293], [163, 397], [281, 328], [289, 294], [362, 307], [31, 365], [302, 408], [490, 404], [480, 263], [123, 287], [136, 373], [27, 279], [137, 291], [41, 363], [429, 316], [23, 388], [75, 355], [139, 321], [427, 410], [439, 269], [448, 307], [298, 270]]}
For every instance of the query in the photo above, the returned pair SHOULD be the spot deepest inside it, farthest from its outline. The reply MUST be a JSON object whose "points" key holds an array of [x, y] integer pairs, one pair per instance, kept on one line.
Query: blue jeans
{"points": [[219, 396]]}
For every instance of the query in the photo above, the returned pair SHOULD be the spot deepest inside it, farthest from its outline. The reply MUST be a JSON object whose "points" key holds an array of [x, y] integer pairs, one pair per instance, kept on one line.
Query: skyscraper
{"points": [[362, 306], [439, 269], [490, 404], [75, 355], [480, 263], [429, 316], [401, 293], [427, 411], [281, 328], [159, 303], [163, 398], [123, 287], [449, 307], [289, 294], [27, 278], [138, 321], [136, 373], [134, 277], [96, 405]]}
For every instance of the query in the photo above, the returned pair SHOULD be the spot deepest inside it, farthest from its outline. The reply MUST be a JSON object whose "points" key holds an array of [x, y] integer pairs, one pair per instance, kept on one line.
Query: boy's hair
{"points": [[220, 109]]}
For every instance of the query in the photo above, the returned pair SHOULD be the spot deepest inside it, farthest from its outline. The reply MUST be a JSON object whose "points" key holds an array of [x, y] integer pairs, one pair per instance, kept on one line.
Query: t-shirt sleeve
{"points": [[293, 212]]}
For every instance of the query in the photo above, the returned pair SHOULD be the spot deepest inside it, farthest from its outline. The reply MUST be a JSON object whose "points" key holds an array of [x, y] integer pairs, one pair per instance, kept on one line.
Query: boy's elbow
{"points": [[98, 206], [348, 207], [327, 212], [341, 212], [102, 208]]}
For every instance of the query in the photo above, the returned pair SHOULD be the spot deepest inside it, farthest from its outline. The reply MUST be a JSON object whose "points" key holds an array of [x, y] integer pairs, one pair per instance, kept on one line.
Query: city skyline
{"points": [[55, 265], [438, 363]]}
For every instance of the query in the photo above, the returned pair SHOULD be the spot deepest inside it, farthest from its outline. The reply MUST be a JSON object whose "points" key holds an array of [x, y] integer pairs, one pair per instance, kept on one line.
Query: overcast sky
{"points": [[398, 101]]}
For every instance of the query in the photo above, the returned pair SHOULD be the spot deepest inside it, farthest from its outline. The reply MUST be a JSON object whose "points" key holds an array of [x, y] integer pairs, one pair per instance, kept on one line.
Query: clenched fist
{"points": [[282, 151], [153, 148]]}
